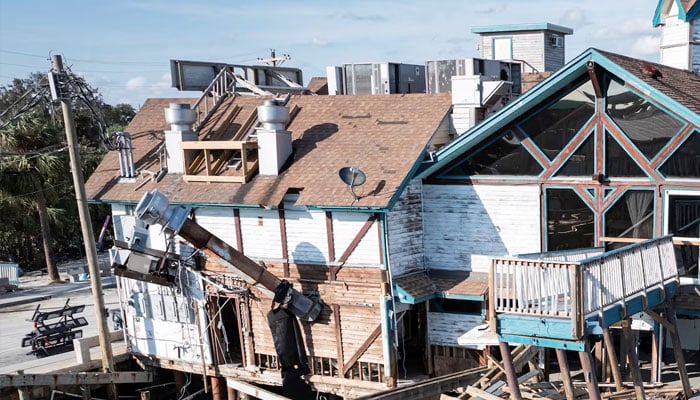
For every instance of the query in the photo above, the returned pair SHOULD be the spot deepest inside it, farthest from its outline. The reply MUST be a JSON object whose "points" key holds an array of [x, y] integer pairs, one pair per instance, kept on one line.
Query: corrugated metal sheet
{"points": [[10, 270]]}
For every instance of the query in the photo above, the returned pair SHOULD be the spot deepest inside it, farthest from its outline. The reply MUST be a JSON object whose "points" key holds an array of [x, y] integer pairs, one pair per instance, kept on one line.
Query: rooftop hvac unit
{"points": [[383, 78]]}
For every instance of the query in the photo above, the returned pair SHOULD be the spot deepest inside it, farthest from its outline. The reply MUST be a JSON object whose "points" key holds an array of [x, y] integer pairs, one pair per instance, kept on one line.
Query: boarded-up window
{"points": [[569, 221], [502, 48]]}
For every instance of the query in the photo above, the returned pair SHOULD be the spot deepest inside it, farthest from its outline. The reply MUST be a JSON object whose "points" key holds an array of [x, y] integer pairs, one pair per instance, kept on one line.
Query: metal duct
{"points": [[126, 154]]}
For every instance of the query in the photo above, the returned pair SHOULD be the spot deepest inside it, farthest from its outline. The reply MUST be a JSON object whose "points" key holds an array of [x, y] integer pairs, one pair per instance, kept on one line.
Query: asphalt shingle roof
{"points": [[382, 135]]}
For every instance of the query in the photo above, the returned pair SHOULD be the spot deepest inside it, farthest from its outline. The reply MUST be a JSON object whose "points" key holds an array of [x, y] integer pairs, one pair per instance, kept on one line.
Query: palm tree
{"points": [[32, 165]]}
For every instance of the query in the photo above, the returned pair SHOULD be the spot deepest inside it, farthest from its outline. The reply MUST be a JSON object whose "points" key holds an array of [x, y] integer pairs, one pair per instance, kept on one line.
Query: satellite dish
{"points": [[352, 176]]}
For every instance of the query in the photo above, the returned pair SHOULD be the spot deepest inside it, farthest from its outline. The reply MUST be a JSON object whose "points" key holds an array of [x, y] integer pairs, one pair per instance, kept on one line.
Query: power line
{"points": [[23, 54]]}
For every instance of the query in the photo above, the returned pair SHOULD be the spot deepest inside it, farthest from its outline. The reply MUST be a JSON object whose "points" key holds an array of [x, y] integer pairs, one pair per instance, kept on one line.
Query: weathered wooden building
{"points": [[603, 152], [299, 219], [680, 33]]}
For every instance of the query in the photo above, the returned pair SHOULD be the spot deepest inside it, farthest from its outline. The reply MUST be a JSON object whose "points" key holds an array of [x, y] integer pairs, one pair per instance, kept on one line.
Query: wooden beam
{"points": [[338, 339], [363, 348], [481, 393], [612, 358], [684, 242], [81, 378], [511, 377], [634, 361], [252, 390], [565, 374], [656, 317], [237, 227], [329, 235], [430, 387], [361, 234], [678, 351], [283, 240], [589, 373]]}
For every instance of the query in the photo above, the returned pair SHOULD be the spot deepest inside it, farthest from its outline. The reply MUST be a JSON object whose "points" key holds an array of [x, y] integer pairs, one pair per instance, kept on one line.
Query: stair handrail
{"points": [[223, 84]]}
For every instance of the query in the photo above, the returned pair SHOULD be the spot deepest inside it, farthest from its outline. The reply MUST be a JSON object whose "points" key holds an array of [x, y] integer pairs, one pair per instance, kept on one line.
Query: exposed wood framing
{"points": [[368, 342], [634, 360], [338, 339], [612, 358], [79, 378], [678, 352], [353, 245], [252, 390]]}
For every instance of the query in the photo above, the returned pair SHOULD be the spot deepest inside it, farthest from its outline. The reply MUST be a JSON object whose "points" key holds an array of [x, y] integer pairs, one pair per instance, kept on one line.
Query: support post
{"points": [[510, 371], [634, 360], [612, 359], [565, 374], [24, 392], [218, 388], [88, 236], [678, 352], [589, 373]]}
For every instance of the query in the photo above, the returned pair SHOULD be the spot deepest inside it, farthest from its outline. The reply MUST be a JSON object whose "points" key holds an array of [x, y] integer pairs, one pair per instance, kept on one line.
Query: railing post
{"points": [[492, 296]]}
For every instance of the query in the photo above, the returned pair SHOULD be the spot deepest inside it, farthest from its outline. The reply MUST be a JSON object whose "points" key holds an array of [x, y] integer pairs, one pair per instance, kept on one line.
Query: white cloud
{"points": [[136, 83], [637, 26], [574, 17], [646, 45], [317, 42]]}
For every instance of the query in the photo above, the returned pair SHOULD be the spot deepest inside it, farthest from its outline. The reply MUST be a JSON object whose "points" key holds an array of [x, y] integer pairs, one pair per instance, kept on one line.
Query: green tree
{"points": [[35, 168]]}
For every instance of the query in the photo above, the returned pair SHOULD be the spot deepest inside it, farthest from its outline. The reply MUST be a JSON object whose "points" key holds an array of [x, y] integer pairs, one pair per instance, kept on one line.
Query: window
{"points": [[683, 220], [618, 163], [505, 156], [581, 162], [554, 127], [685, 162], [647, 126], [570, 221], [632, 216]]}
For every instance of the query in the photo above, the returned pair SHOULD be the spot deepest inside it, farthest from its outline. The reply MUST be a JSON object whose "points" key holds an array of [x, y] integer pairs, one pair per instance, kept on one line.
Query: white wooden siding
{"points": [[405, 227], [463, 224], [345, 227], [260, 230], [445, 328], [220, 222], [307, 239]]}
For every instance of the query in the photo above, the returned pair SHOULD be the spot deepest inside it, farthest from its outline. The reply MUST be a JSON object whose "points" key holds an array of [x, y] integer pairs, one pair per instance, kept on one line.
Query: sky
{"points": [[124, 47]]}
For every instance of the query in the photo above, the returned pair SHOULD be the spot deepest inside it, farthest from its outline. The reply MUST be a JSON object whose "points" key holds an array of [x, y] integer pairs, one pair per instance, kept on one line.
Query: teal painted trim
{"points": [[612, 315], [539, 326], [541, 26], [690, 313], [493, 46], [466, 297], [557, 81], [414, 169], [644, 88], [193, 205], [693, 13], [544, 342], [605, 165], [404, 297], [656, 21]]}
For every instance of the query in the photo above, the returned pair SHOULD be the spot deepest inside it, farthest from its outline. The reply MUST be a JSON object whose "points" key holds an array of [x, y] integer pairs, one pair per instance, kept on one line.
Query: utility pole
{"points": [[85, 224], [274, 60]]}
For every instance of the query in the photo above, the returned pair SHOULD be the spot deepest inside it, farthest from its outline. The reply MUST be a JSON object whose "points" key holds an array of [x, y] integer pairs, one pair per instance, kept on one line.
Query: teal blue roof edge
{"points": [[693, 12], [646, 89], [540, 26], [507, 114]]}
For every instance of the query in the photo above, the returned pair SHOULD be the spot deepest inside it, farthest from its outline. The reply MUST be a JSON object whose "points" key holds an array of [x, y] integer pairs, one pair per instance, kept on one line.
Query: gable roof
{"points": [[678, 89], [385, 136], [687, 10]]}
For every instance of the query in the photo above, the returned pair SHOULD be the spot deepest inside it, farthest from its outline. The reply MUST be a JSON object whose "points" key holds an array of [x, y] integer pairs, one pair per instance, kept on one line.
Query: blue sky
{"points": [[123, 47]]}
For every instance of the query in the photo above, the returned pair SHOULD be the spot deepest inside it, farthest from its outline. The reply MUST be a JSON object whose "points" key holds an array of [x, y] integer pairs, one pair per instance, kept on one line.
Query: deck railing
{"points": [[631, 271], [578, 290], [222, 85]]}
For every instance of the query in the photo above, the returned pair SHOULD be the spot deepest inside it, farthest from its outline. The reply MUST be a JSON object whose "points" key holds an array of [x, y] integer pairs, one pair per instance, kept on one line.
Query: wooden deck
{"points": [[558, 303]]}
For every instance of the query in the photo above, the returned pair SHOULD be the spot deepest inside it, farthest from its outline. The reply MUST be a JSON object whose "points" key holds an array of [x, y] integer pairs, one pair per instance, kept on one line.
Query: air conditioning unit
{"points": [[556, 41]]}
